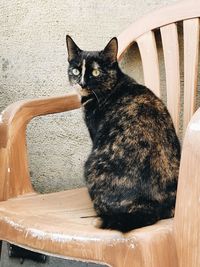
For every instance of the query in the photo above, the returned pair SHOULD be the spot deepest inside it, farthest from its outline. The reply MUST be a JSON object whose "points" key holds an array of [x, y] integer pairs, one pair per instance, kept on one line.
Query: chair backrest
{"points": [[143, 33], [184, 14]]}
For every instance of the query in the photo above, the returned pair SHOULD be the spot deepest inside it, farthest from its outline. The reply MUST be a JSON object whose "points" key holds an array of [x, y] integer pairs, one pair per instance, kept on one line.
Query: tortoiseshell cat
{"points": [[132, 170]]}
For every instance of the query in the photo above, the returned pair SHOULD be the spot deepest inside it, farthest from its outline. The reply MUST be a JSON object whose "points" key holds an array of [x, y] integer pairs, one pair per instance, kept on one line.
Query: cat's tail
{"points": [[126, 222]]}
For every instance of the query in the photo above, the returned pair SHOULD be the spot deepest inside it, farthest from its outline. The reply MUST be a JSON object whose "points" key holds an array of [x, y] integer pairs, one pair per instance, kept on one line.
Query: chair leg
{"points": [[22, 254], [51, 261]]}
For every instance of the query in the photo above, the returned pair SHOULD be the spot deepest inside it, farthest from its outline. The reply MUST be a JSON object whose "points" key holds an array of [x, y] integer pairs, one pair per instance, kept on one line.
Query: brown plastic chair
{"points": [[58, 223]]}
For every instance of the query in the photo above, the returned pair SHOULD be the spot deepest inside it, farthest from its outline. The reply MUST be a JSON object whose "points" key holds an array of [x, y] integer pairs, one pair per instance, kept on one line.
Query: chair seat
{"points": [[64, 223]]}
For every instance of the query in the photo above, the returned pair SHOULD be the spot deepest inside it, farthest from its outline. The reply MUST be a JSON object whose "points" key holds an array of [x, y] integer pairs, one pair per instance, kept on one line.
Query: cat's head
{"points": [[95, 71]]}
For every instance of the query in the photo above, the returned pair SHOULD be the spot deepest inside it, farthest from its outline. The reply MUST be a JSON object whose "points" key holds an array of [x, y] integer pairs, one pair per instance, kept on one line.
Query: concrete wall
{"points": [[34, 64]]}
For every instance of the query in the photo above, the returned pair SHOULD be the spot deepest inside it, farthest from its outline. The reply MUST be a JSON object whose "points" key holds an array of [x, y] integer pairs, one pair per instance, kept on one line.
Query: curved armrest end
{"points": [[14, 171], [21, 112], [187, 213]]}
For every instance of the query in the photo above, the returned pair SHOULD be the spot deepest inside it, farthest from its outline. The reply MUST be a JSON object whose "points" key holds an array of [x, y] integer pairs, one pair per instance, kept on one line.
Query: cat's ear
{"points": [[111, 50], [72, 48]]}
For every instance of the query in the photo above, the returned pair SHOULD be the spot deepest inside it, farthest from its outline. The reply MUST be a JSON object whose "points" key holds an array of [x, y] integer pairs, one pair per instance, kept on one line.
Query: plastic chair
{"points": [[60, 223]]}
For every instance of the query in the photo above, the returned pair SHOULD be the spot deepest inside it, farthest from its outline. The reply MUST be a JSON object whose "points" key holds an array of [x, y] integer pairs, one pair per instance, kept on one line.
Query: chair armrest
{"points": [[14, 172], [187, 212]]}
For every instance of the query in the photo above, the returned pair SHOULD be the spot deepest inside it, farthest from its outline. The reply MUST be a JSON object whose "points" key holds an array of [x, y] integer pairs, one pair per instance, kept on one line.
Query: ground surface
{"points": [[51, 261]]}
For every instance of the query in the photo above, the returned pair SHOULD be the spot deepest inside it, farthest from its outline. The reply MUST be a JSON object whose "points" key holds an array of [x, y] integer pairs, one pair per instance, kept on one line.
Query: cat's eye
{"points": [[95, 72], [76, 72]]}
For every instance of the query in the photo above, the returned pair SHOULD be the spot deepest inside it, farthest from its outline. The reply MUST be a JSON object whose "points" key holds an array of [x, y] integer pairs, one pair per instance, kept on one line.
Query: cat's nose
{"points": [[82, 84]]}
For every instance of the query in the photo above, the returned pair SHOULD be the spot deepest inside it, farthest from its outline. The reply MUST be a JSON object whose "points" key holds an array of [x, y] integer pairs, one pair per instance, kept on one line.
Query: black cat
{"points": [[132, 170]]}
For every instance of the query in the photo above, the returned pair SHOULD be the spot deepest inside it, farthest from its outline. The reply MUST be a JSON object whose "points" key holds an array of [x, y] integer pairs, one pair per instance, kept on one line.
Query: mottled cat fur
{"points": [[132, 170]]}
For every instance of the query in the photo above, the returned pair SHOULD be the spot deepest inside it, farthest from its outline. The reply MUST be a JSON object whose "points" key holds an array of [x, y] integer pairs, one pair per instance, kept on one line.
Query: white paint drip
{"points": [[42, 235], [63, 238], [13, 224]]}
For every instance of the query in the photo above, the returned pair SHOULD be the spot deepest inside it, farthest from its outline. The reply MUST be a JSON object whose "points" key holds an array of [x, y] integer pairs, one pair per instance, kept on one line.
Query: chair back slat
{"points": [[149, 56], [172, 70], [191, 50]]}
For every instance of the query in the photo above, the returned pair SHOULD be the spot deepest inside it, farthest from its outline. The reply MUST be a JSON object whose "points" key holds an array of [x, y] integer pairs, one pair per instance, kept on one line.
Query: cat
{"points": [[132, 170]]}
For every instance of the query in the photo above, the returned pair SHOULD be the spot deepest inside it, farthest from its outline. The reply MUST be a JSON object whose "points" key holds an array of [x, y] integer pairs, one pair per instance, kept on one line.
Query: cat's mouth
{"points": [[85, 92], [82, 91]]}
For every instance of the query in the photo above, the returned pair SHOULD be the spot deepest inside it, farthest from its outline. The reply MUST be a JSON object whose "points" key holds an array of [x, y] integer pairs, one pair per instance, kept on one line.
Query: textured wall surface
{"points": [[34, 63]]}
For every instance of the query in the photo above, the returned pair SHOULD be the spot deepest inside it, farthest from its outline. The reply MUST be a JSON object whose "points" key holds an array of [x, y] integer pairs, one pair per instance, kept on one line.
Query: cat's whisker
{"points": [[91, 216], [96, 96]]}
